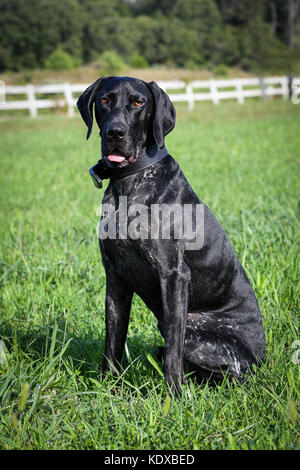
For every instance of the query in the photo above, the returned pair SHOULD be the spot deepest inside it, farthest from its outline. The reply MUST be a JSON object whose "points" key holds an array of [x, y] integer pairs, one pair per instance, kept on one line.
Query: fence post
{"points": [[263, 88], [190, 96], [239, 91], [2, 91], [69, 98], [214, 92], [31, 99], [285, 87]]}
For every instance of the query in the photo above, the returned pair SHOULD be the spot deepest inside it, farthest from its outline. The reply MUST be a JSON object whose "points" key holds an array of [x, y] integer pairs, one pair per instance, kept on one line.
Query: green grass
{"points": [[243, 161]]}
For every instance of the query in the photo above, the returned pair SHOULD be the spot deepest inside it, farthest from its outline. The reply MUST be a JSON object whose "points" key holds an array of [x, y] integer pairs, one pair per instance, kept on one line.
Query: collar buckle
{"points": [[96, 179]]}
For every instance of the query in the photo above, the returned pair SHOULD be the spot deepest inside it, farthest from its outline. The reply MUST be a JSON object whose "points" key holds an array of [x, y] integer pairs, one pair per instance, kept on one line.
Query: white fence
{"points": [[179, 91]]}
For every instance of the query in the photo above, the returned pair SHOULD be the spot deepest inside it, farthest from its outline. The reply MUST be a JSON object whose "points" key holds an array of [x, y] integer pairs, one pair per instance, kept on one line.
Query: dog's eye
{"points": [[103, 100], [138, 103]]}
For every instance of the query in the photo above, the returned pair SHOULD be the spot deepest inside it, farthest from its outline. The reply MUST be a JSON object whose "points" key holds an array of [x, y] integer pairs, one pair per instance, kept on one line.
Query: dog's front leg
{"points": [[117, 311], [174, 289]]}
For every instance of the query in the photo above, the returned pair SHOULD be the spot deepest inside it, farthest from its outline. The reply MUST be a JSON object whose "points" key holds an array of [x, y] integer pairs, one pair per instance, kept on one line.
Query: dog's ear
{"points": [[164, 114], [86, 101]]}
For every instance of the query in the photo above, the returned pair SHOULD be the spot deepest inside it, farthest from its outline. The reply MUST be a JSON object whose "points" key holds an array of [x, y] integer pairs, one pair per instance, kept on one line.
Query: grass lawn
{"points": [[243, 162]]}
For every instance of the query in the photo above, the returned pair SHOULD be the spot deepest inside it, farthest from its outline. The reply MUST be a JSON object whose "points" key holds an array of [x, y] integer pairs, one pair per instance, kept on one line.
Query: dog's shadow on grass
{"points": [[141, 362], [84, 351]]}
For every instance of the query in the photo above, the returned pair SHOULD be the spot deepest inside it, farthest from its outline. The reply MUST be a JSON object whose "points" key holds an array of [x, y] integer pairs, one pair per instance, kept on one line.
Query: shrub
{"points": [[192, 65], [137, 61], [221, 70], [110, 63], [61, 60]]}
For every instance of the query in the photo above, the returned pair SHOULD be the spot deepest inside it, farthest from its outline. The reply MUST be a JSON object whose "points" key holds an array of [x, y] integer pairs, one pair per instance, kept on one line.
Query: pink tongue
{"points": [[116, 158]]}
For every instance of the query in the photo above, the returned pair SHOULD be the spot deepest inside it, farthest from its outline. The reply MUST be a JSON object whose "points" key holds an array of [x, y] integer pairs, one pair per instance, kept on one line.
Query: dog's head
{"points": [[132, 115]]}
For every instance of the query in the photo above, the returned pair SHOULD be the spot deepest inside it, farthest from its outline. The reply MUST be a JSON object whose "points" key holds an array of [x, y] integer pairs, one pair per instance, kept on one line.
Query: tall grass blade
{"points": [[154, 364], [23, 397]]}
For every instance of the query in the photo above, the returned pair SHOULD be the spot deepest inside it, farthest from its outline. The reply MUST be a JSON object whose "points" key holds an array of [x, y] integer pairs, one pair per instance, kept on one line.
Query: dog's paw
{"points": [[174, 385]]}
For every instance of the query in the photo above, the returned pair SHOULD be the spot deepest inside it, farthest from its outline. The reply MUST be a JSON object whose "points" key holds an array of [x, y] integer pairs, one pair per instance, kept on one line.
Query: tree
{"points": [[262, 51], [240, 13], [100, 20], [31, 30], [249, 33], [202, 17], [151, 7]]}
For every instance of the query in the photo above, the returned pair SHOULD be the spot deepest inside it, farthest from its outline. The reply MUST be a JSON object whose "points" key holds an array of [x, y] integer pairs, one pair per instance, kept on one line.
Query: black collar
{"points": [[101, 171]]}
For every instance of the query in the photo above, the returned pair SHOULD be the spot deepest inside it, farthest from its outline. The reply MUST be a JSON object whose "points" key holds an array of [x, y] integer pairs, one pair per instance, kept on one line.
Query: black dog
{"points": [[206, 309]]}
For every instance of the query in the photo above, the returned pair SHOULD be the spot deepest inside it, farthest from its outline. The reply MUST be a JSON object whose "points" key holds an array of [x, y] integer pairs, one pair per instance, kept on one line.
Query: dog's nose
{"points": [[116, 130]]}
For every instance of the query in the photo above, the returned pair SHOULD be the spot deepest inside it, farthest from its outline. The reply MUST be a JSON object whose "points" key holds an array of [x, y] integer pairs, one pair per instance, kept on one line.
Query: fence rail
{"points": [[200, 90]]}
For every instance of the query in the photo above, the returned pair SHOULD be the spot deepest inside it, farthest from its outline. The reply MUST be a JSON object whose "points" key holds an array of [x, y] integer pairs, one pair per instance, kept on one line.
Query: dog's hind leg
{"points": [[215, 346]]}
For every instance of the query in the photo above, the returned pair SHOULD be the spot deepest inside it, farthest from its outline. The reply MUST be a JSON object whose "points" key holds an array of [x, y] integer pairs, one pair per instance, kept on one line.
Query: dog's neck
{"points": [[102, 171]]}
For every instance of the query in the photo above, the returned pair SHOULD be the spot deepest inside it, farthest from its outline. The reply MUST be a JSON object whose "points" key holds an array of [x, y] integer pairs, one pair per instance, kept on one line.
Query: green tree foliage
{"points": [[239, 13], [101, 26], [202, 17], [164, 40], [252, 34], [31, 31], [150, 7]]}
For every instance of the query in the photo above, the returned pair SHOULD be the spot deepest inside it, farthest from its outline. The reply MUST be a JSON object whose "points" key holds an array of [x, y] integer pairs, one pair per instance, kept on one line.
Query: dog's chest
{"points": [[130, 263], [124, 246]]}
